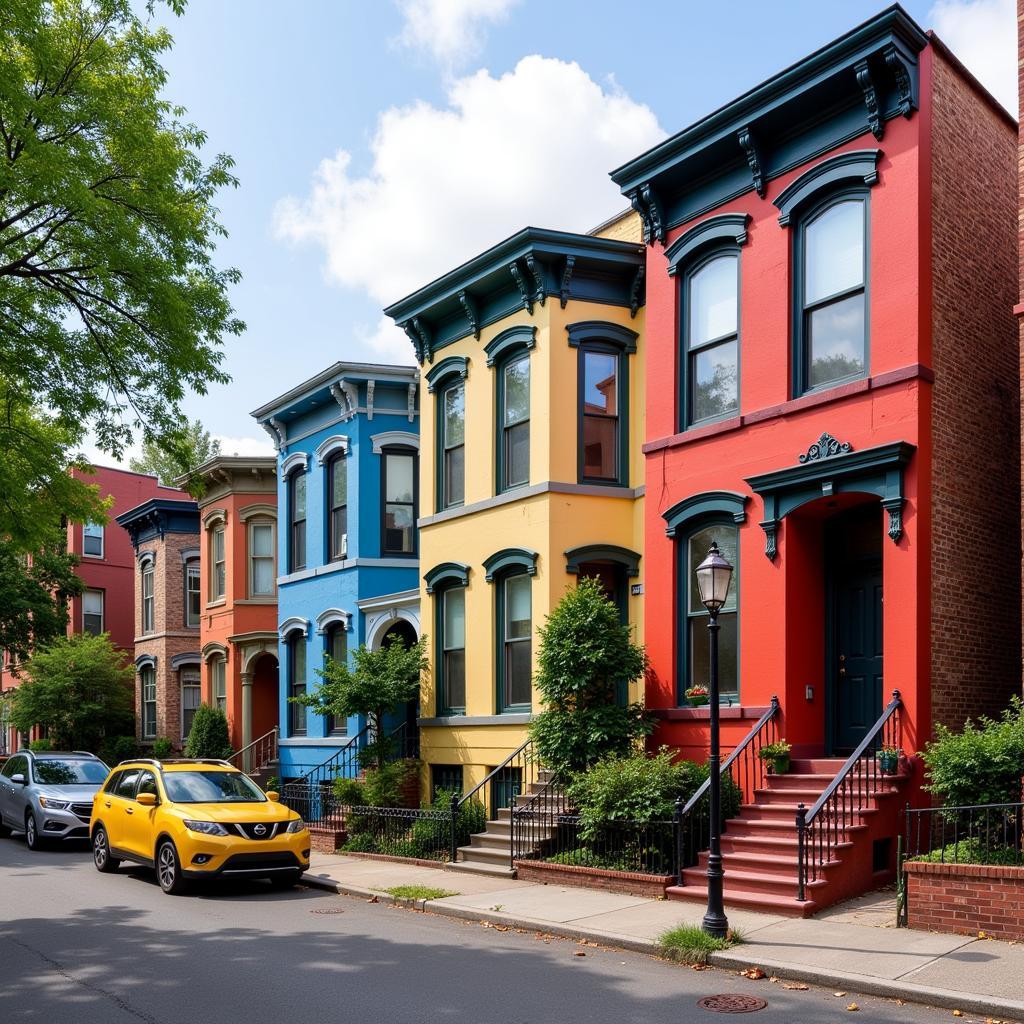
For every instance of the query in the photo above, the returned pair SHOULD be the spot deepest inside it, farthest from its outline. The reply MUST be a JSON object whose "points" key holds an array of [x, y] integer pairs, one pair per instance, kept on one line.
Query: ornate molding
{"points": [[771, 538], [901, 75], [857, 166], [894, 507], [394, 437], [329, 616], [634, 290], [538, 280], [277, 432], [371, 386], [522, 559], [524, 291], [297, 460], [563, 291], [451, 366], [708, 504], [329, 445], [724, 229], [449, 574], [577, 557], [524, 335], [867, 85], [293, 624], [645, 202], [753, 154], [826, 447], [469, 307], [613, 334], [346, 394], [411, 403]]}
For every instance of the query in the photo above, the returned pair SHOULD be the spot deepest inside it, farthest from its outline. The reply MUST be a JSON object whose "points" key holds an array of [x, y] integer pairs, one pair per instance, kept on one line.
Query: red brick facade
{"points": [[966, 899]]}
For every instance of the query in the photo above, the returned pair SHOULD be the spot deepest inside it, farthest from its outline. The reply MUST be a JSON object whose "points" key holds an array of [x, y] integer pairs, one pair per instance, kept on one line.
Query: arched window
{"points": [[148, 603], [296, 682], [218, 682], [514, 422], [511, 570]]}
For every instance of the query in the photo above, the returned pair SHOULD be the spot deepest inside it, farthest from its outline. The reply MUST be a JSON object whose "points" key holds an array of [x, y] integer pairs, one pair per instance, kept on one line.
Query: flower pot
{"points": [[888, 763], [780, 764], [697, 701]]}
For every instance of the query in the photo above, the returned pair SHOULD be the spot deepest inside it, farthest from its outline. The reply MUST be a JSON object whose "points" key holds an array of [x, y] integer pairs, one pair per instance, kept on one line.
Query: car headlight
{"points": [[54, 805], [295, 825], [208, 828]]}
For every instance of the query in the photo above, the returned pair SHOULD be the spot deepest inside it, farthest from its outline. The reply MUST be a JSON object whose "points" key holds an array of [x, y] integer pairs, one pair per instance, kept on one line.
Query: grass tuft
{"points": [[418, 892], [690, 944]]}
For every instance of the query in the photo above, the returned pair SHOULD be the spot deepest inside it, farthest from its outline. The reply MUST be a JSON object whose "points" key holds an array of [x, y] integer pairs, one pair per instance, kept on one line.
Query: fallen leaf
{"points": [[839, 995], [373, 899], [982, 935], [696, 967], [958, 1013], [754, 973], [579, 952], [853, 1007], [774, 980], [795, 986]]}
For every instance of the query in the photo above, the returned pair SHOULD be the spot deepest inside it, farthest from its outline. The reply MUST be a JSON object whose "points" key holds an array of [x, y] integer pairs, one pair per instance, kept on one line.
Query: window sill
{"points": [[725, 711], [457, 721], [219, 603], [255, 600]]}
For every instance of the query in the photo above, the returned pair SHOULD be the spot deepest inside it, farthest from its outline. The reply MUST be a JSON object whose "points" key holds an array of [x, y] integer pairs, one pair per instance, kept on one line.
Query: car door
{"points": [[122, 801], [13, 797], [138, 829]]}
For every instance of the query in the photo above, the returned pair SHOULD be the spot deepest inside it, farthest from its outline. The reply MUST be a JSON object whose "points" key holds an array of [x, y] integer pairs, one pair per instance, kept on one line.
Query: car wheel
{"points": [[286, 880], [101, 855], [168, 869], [32, 838], [5, 830]]}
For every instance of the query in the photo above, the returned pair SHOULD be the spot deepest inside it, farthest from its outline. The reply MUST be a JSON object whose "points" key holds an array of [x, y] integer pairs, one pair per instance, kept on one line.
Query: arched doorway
{"points": [[402, 632], [264, 694]]}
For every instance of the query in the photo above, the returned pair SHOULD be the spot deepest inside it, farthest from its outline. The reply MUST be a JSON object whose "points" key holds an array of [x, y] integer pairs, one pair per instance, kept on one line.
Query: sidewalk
{"points": [[834, 950]]}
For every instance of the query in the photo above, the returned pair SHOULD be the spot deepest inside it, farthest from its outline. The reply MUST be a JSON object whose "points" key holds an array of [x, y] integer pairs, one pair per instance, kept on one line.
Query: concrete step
{"points": [[764, 902], [479, 868], [485, 855], [490, 841]]}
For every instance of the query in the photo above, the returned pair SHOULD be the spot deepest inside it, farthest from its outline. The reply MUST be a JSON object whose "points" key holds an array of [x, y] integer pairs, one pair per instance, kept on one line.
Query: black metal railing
{"points": [[970, 834], [742, 773], [258, 754], [404, 742], [823, 828], [397, 831], [312, 795], [535, 818]]}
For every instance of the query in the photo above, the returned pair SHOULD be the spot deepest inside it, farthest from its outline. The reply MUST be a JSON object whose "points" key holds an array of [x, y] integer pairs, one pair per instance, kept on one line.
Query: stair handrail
{"points": [[334, 757], [806, 819], [525, 813], [242, 751]]}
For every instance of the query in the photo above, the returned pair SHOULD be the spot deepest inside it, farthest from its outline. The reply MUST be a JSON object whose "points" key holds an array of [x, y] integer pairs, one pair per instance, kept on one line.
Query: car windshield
{"points": [[53, 772], [211, 788]]}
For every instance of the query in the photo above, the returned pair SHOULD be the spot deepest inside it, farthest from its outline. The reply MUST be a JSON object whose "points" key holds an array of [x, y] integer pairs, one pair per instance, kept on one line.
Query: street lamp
{"points": [[714, 575]]}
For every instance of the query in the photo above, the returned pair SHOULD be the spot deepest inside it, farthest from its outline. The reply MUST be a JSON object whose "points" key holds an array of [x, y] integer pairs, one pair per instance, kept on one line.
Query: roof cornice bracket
{"points": [[276, 431], [524, 291], [563, 291], [370, 385], [468, 304], [534, 268], [901, 74], [867, 85], [413, 387], [753, 154], [634, 290]]}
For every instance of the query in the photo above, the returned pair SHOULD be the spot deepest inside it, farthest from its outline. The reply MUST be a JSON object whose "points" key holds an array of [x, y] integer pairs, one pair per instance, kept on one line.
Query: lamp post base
{"points": [[715, 925]]}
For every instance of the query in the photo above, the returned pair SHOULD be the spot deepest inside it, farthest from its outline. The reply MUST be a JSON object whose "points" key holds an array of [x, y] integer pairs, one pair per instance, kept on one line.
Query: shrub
{"points": [[973, 851], [116, 749], [40, 746], [383, 785], [162, 747], [360, 842], [690, 944], [208, 736], [349, 791]]}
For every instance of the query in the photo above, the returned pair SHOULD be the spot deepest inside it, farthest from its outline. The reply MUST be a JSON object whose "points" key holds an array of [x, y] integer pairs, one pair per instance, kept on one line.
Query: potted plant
{"points": [[697, 696], [889, 760], [776, 755]]}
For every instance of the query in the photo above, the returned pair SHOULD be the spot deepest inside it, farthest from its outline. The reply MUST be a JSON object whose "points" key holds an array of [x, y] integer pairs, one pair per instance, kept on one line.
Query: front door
{"points": [[854, 653]]}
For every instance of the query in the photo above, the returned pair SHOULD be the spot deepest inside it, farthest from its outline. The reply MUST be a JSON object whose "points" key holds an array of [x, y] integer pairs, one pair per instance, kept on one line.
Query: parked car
{"points": [[195, 819], [49, 795]]}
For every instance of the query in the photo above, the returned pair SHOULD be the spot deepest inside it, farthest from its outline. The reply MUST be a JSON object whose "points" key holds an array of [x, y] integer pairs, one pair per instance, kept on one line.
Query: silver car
{"points": [[49, 795]]}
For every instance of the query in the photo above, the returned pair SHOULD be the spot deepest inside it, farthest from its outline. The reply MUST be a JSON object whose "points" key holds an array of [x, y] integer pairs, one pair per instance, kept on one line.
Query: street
{"points": [[77, 947]]}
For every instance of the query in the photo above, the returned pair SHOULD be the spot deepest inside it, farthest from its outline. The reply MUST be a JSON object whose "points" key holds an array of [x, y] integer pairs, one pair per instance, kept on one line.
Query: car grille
{"points": [[259, 830], [84, 811], [246, 862]]}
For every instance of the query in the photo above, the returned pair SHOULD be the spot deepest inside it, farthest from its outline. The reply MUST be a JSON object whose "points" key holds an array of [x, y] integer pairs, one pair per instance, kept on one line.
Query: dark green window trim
{"points": [[613, 334], [717, 505], [500, 574], [447, 574], [508, 559], [858, 167], [446, 777], [725, 229], [442, 501], [509, 351], [442, 586], [575, 557], [510, 339], [451, 366]]}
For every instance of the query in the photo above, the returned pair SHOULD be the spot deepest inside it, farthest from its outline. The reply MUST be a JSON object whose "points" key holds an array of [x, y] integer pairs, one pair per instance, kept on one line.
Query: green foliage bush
{"points": [[382, 786], [973, 851], [349, 791], [162, 747], [40, 746], [115, 749], [208, 736]]}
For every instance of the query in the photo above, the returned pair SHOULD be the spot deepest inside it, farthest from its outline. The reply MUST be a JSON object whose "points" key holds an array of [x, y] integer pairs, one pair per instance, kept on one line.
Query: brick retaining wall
{"points": [[629, 883], [966, 899]]}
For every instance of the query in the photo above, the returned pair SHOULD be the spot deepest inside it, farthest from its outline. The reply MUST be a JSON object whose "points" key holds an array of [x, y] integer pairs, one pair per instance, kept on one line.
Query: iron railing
{"points": [[312, 796], [820, 830], [258, 754], [404, 742], [742, 773], [535, 818], [397, 831], [969, 834]]}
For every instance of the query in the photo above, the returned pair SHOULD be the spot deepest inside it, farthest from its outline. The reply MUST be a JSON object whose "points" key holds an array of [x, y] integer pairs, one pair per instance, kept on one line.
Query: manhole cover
{"points": [[732, 1003], [327, 910]]}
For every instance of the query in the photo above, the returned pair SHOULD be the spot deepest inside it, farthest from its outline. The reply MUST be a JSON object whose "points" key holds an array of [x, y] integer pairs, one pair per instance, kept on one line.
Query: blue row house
{"points": [[347, 477]]}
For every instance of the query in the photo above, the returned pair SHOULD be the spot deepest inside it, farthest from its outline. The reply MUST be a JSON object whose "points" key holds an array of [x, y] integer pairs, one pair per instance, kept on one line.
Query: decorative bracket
{"points": [[472, 313], [753, 154], [771, 538], [276, 430], [867, 85], [634, 290], [534, 268], [894, 506], [370, 385], [417, 341], [645, 203], [413, 387], [424, 335], [901, 74], [826, 447], [517, 276], [563, 292], [346, 394]]}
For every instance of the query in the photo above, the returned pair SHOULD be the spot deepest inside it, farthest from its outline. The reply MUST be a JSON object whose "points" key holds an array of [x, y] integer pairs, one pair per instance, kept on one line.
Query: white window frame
{"points": [[192, 571], [148, 621], [103, 540], [219, 682], [103, 609], [218, 530], [251, 548], [188, 675]]}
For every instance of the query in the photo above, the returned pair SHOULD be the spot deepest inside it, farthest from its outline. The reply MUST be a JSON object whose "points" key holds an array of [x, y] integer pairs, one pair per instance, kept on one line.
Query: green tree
{"points": [[111, 306], [377, 684], [78, 687], [208, 736], [177, 454], [585, 653]]}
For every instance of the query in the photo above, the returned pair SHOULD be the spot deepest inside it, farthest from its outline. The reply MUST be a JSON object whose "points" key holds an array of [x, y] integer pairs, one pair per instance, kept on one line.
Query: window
{"points": [[127, 783], [261, 559], [191, 697], [452, 669], [192, 592], [711, 338], [147, 784], [599, 414], [218, 578], [514, 421], [831, 283], [695, 645], [147, 598], [92, 612], [453, 443], [297, 514], [337, 490], [147, 674], [219, 683], [399, 528], [337, 647], [445, 778], [515, 630], [92, 540], [296, 683]]}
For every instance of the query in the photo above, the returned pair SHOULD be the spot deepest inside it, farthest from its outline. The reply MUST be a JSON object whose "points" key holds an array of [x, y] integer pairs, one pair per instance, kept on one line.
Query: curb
{"points": [[731, 961]]}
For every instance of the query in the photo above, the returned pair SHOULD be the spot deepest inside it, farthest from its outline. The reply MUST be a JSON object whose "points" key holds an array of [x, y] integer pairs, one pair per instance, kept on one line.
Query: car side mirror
{"points": [[146, 799], [19, 779], [273, 795]]}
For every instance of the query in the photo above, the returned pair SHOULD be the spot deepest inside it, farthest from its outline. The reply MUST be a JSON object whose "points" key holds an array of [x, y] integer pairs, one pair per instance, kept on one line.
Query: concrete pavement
{"points": [[974, 975]]}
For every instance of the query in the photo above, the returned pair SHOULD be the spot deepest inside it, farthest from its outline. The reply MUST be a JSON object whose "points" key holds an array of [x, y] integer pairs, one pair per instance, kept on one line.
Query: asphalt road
{"points": [[77, 947]]}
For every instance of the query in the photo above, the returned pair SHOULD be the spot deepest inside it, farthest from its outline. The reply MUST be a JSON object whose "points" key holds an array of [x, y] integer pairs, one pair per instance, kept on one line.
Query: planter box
{"points": [[628, 883], [966, 899]]}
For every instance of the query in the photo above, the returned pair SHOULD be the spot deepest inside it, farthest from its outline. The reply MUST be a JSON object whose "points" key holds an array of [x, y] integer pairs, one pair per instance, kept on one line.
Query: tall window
{"points": [[296, 683], [695, 645], [337, 490], [92, 540], [92, 612], [832, 279], [398, 535], [515, 622], [191, 697], [192, 593], [218, 577], [219, 683], [711, 329], [599, 414], [147, 676], [453, 441], [337, 648], [147, 598], [514, 421], [261, 559], [452, 690], [297, 515]]}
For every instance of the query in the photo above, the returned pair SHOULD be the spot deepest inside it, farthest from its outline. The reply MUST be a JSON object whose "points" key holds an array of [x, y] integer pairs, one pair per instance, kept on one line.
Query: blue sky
{"points": [[379, 143]]}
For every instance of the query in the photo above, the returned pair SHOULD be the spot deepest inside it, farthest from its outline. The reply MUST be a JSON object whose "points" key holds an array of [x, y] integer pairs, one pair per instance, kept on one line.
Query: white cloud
{"points": [[451, 31], [244, 446], [533, 146], [983, 34], [384, 343]]}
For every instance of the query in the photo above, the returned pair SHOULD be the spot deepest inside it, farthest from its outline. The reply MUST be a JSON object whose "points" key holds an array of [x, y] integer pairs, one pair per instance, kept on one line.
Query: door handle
{"points": [[106, 803], [129, 810], [842, 666]]}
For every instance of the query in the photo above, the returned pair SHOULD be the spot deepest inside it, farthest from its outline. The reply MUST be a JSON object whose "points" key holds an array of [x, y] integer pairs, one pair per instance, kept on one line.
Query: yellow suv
{"points": [[193, 819]]}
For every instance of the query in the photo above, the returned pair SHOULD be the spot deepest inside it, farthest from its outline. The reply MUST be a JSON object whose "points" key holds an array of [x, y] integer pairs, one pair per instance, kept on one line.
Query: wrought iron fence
{"points": [[398, 832], [312, 795], [970, 834]]}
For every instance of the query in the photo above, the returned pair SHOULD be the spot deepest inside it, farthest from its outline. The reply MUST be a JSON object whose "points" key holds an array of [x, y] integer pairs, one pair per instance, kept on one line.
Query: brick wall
{"points": [[966, 899], [976, 525], [629, 883]]}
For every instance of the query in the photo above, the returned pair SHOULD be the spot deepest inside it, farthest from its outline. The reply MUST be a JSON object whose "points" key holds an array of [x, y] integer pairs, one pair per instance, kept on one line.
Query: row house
{"points": [[347, 493]]}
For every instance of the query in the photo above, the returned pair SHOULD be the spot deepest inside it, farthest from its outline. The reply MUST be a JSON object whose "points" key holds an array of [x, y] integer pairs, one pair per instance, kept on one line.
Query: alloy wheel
{"points": [[167, 867], [100, 853], [31, 836]]}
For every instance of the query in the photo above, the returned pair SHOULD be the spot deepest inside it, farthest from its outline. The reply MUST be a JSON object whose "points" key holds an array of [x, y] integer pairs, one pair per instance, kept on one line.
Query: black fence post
{"points": [[801, 834], [454, 850], [677, 839], [512, 834]]}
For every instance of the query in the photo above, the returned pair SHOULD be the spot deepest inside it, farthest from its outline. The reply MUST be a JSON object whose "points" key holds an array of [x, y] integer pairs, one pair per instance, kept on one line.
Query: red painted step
{"points": [[765, 902]]}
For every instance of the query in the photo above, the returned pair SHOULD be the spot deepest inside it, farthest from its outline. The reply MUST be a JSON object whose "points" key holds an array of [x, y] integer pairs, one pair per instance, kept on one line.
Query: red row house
{"points": [[833, 397]]}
